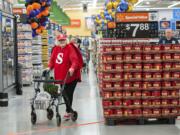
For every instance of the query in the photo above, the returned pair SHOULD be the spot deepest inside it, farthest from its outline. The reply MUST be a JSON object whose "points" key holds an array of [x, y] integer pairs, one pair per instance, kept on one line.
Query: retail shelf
{"points": [[132, 61], [152, 70], [160, 97], [132, 70], [113, 62], [159, 106], [123, 117], [112, 71], [152, 61], [123, 107], [133, 79], [112, 80]]}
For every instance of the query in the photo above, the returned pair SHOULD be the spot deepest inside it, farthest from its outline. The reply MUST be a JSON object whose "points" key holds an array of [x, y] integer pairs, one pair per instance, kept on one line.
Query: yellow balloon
{"points": [[130, 8], [110, 11], [118, 1], [105, 21], [113, 14], [109, 5], [133, 1], [102, 16], [115, 4]]}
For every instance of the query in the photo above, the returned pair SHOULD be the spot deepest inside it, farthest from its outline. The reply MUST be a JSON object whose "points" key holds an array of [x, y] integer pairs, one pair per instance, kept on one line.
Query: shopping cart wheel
{"points": [[74, 116], [58, 119], [50, 114], [33, 118]]}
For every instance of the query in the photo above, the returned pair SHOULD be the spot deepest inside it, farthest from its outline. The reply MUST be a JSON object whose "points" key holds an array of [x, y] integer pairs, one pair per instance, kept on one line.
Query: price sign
{"points": [[137, 30]]}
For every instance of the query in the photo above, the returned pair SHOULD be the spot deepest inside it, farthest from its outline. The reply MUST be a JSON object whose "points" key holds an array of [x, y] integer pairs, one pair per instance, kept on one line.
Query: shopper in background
{"points": [[64, 60], [168, 39], [78, 41]]}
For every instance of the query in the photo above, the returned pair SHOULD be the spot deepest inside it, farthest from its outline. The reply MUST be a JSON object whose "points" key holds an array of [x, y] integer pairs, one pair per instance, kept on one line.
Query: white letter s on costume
{"points": [[59, 59]]}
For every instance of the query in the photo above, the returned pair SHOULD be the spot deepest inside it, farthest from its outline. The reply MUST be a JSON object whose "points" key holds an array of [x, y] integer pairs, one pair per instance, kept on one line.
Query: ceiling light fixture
{"points": [[173, 5]]}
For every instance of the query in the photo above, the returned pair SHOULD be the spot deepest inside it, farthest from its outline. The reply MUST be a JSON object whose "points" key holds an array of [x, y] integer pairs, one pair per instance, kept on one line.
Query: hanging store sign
{"points": [[176, 14], [136, 16], [178, 25]]}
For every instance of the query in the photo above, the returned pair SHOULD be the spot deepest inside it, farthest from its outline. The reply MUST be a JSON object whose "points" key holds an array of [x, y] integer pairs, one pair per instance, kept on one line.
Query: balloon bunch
{"points": [[111, 7], [38, 12]]}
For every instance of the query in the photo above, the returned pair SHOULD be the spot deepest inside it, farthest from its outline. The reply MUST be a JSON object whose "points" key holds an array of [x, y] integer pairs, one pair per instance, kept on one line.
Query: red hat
{"points": [[61, 37]]}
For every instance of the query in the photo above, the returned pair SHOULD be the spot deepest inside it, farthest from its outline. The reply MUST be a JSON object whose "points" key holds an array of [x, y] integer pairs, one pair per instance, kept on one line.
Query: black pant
{"points": [[68, 95]]}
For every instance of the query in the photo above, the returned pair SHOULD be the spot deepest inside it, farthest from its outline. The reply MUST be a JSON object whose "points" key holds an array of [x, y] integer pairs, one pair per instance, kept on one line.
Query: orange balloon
{"points": [[43, 3], [34, 25], [47, 8], [29, 8], [42, 28], [36, 5], [39, 15], [45, 13], [38, 31]]}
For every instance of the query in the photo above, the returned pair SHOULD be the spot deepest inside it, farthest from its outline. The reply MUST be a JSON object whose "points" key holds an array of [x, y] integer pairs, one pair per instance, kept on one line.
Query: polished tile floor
{"points": [[15, 119]]}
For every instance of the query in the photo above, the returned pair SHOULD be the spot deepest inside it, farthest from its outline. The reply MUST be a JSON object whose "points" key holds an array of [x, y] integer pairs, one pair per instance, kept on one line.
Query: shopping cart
{"points": [[50, 97]]}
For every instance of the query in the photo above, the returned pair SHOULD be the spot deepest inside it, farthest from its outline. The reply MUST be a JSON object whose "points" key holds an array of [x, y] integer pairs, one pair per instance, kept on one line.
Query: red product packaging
{"points": [[137, 47], [127, 94], [148, 66], [157, 57], [127, 76], [157, 47], [127, 102], [147, 75], [147, 112], [117, 94], [174, 93], [118, 76], [118, 57], [108, 85], [176, 75], [128, 48], [156, 102], [137, 84], [166, 75], [176, 56], [128, 66], [108, 112], [165, 102], [137, 66], [137, 75], [127, 84], [107, 76], [137, 94], [108, 67], [118, 48], [107, 103], [176, 47], [117, 103], [157, 75], [167, 47], [166, 84], [117, 85], [156, 84], [146, 93], [174, 111], [128, 112], [120, 112], [146, 102], [147, 48], [147, 56], [156, 93], [127, 57], [137, 102], [108, 58], [156, 111], [165, 93], [137, 111], [119, 66], [167, 65], [147, 85], [166, 111], [158, 66], [176, 65], [175, 102], [137, 57], [108, 48], [167, 56], [107, 94]]}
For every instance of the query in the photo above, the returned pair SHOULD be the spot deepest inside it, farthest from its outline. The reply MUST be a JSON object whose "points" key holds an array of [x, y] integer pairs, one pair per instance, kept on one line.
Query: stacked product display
{"points": [[45, 53], [37, 56], [51, 40], [25, 52], [139, 80]]}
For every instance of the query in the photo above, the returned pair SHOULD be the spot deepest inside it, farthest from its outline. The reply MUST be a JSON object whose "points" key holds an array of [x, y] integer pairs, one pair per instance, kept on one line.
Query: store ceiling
{"points": [[141, 5]]}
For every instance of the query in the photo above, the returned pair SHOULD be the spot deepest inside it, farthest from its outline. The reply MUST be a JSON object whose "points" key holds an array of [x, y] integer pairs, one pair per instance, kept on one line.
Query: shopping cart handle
{"points": [[48, 81]]}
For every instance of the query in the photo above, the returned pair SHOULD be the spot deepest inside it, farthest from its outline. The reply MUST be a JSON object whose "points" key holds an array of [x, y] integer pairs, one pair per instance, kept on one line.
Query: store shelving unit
{"points": [[37, 56], [137, 82], [25, 52]]}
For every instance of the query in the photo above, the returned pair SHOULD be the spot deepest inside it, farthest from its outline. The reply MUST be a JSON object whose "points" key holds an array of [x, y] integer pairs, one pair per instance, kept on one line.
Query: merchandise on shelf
{"points": [[25, 52], [138, 79]]}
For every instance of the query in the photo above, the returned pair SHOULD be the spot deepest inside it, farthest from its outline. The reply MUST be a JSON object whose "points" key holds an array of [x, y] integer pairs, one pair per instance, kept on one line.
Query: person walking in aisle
{"points": [[168, 39], [65, 61]]}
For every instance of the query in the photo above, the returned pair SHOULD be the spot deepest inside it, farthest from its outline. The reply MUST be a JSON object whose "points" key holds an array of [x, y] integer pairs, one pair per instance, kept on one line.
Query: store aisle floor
{"points": [[15, 120]]}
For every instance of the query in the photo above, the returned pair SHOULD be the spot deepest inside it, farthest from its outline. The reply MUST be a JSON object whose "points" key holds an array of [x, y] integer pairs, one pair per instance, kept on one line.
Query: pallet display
{"points": [[45, 53], [25, 52], [37, 56], [139, 80]]}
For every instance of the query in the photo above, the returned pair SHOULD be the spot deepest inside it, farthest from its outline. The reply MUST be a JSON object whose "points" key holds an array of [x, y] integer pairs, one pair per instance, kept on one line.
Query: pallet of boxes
{"points": [[139, 81]]}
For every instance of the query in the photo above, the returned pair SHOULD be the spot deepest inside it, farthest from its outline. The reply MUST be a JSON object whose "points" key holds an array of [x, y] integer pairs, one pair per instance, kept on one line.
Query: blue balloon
{"points": [[42, 9], [123, 6], [32, 13], [99, 16], [28, 1], [119, 9], [34, 33], [106, 13], [48, 3], [37, 12]]}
